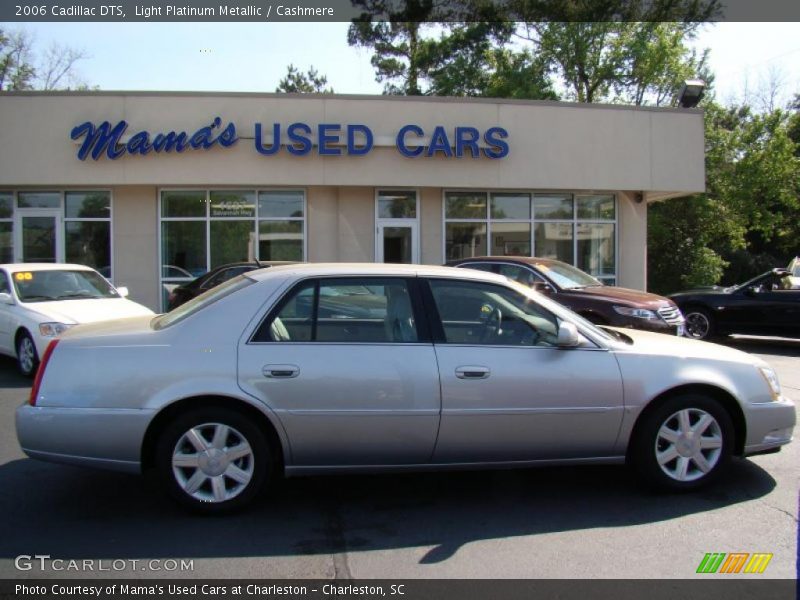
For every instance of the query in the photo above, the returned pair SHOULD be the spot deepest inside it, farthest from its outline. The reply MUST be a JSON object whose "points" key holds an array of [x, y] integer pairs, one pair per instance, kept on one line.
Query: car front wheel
{"points": [[27, 356], [699, 324], [683, 444], [213, 460]]}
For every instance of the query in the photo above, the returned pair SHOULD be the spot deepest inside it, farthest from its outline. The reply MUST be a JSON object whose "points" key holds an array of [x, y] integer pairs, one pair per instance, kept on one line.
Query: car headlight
{"points": [[637, 313], [53, 329], [772, 381]]}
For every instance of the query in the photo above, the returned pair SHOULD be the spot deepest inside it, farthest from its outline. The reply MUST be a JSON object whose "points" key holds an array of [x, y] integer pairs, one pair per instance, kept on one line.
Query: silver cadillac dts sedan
{"points": [[315, 368]]}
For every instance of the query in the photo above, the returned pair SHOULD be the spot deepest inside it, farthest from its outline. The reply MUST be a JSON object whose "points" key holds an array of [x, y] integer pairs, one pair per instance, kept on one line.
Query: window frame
{"points": [[487, 220], [421, 318], [208, 219]]}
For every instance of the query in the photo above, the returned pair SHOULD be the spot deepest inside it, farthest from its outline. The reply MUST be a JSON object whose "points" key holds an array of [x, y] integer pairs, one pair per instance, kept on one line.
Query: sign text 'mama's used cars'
{"points": [[308, 369], [765, 305], [589, 297], [39, 301]]}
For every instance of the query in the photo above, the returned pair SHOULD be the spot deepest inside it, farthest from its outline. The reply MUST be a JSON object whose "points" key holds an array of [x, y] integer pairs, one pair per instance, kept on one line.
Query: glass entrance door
{"points": [[397, 242], [37, 235]]}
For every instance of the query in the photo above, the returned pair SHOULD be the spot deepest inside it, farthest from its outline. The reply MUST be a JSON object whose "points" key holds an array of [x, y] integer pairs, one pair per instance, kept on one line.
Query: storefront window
{"points": [[87, 229], [465, 239], [579, 229], [511, 206], [394, 204], [465, 205], [39, 200], [204, 229], [183, 249], [281, 225]]}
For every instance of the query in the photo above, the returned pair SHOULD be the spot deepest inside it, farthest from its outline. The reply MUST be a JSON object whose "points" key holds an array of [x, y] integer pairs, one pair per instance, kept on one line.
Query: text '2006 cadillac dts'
{"points": [[307, 369]]}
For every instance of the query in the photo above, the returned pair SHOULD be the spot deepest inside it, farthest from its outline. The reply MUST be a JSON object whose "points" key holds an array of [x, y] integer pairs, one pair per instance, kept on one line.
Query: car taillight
{"points": [[40, 373]]}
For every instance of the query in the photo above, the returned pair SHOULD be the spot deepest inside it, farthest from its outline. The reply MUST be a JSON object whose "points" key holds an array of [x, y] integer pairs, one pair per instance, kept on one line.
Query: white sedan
{"points": [[40, 301]]}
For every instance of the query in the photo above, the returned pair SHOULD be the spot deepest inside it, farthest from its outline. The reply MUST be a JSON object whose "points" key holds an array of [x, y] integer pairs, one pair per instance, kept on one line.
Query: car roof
{"points": [[44, 267], [528, 260], [370, 269]]}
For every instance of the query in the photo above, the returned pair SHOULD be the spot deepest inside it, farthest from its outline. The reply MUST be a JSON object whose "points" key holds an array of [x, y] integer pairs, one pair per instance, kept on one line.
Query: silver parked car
{"points": [[308, 369]]}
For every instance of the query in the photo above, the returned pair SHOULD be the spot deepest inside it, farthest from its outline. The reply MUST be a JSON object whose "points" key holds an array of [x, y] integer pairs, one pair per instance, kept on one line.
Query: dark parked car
{"points": [[187, 291], [599, 303], [766, 305]]}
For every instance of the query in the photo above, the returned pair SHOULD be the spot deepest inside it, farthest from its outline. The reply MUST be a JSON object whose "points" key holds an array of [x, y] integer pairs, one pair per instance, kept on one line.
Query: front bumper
{"points": [[94, 437], [770, 425]]}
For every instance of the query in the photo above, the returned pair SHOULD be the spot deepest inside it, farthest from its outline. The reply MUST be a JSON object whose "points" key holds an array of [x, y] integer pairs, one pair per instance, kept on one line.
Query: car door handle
{"points": [[281, 371], [470, 372]]}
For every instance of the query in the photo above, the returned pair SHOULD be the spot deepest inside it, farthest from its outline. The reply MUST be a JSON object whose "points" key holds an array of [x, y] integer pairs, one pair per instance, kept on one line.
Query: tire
{"points": [[27, 356], [213, 460], [699, 324], [667, 459]]}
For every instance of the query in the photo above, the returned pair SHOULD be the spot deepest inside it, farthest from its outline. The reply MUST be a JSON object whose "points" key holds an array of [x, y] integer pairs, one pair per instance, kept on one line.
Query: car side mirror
{"points": [[123, 291], [542, 287], [5, 298], [568, 336]]}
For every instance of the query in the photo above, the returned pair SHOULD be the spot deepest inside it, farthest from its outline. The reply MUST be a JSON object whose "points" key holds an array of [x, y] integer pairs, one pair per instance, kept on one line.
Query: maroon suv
{"points": [[599, 303]]}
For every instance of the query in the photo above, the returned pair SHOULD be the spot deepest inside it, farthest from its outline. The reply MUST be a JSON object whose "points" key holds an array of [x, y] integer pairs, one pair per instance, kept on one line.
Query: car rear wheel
{"points": [[213, 460], [27, 356], [699, 324], [683, 444]]}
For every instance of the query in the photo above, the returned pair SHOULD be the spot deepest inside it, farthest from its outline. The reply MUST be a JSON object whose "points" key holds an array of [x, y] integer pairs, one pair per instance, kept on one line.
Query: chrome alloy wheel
{"points": [[212, 462], [688, 444], [697, 325], [27, 354]]}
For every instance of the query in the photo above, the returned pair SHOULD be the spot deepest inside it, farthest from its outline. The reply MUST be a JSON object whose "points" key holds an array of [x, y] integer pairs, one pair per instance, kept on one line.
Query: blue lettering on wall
{"points": [[401, 140], [497, 147], [351, 139], [298, 139], [106, 139]]}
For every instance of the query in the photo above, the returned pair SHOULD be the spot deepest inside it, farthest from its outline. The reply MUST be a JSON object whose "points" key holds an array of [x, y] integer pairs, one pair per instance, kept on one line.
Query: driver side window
{"points": [[477, 313]]}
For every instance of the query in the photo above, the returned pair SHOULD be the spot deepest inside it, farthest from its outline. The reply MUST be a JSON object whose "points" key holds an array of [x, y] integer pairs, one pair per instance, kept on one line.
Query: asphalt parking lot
{"points": [[581, 522]]}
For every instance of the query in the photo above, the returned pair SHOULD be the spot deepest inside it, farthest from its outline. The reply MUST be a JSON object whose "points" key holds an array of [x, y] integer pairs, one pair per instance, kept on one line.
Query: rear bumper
{"points": [[93, 437]]}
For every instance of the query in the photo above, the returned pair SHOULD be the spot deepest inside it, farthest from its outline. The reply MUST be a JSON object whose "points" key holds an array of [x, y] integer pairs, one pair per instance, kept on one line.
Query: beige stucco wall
{"points": [[135, 242], [552, 145], [632, 241], [431, 231]]}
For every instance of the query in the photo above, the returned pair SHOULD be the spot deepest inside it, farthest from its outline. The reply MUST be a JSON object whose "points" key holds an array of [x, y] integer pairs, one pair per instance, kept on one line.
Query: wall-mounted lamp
{"points": [[691, 93], [638, 197]]}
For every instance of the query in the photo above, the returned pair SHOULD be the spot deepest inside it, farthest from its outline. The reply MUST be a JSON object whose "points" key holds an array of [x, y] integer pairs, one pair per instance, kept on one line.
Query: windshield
{"points": [[566, 276], [47, 286], [198, 303]]}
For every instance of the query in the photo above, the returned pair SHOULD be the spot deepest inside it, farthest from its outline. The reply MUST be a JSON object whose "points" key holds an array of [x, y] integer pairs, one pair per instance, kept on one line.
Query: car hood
{"points": [[702, 291], [87, 310], [635, 298], [647, 342]]}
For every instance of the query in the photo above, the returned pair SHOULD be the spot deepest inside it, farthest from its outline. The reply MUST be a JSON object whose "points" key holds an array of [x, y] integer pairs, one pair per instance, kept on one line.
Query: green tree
{"points": [[310, 82]]}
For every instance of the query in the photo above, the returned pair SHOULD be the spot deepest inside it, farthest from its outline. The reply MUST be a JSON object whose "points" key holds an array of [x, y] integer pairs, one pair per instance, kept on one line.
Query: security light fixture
{"points": [[691, 93]]}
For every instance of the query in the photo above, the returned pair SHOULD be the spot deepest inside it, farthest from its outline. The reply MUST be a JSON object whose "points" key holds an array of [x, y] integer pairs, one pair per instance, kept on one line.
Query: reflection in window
{"points": [[394, 204], [552, 206], [554, 240], [464, 240], [39, 200], [596, 207], [231, 241], [511, 206], [465, 205], [511, 239], [183, 247], [183, 204], [280, 240], [353, 310], [484, 314], [596, 249], [88, 243]]}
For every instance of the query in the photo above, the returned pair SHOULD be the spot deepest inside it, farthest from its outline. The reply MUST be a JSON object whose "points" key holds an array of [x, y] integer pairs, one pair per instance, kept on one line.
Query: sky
{"points": [[253, 57]]}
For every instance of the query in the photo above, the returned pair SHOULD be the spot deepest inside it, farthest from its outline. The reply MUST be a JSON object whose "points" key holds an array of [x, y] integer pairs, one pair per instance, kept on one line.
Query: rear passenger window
{"points": [[344, 311]]}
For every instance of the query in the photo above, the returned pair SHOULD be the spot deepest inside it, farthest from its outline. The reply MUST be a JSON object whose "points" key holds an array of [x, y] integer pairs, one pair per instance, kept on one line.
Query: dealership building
{"points": [[155, 188]]}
